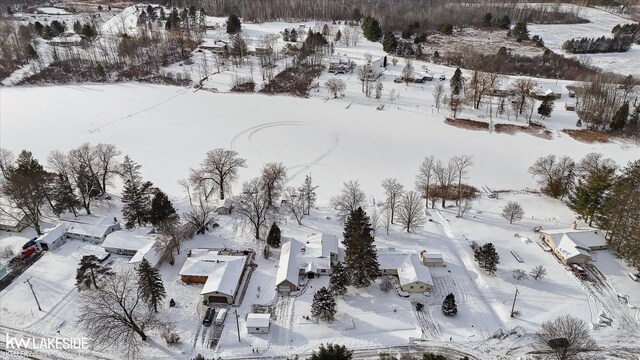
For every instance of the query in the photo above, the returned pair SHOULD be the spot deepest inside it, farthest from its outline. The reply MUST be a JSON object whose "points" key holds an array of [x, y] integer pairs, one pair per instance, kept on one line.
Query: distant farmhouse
{"points": [[220, 273], [574, 246], [315, 256]]}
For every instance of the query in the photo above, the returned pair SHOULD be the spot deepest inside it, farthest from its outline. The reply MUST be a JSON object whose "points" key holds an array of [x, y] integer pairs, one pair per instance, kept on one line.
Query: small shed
{"points": [[258, 323], [53, 238], [225, 208], [570, 106], [431, 260]]}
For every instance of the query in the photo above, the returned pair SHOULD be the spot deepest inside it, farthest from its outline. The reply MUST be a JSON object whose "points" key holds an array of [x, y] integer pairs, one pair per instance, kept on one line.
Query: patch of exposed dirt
{"points": [[467, 124]]}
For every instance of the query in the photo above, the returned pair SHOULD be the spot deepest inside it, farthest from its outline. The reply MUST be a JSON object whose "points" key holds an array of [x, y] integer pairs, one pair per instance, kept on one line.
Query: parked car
{"points": [[26, 253], [633, 276], [208, 317], [29, 244], [579, 271], [222, 314]]}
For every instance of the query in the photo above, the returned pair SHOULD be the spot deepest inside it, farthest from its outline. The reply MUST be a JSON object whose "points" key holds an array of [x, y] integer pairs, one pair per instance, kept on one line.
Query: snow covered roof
{"points": [[288, 266], [55, 233], [228, 204], [127, 240], [203, 262], [11, 217], [411, 271], [321, 245], [225, 278], [586, 238], [568, 248], [390, 259], [432, 256], [258, 320], [81, 229], [148, 252]]}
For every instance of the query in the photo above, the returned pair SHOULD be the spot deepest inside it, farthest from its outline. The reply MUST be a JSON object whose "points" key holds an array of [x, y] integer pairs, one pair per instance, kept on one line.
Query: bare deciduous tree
{"points": [[555, 175], [462, 164], [115, 316], [253, 206], [219, 170], [408, 71], [522, 90], [411, 212], [565, 337], [6, 162], [538, 272], [201, 212], [438, 93], [374, 217], [519, 274], [424, 178], [464, 206], [445, 175], [107, 155], [393, 190], [335, 86], [512, 212], [386, 219], [295, 204], [273, 177], [351, 197]]}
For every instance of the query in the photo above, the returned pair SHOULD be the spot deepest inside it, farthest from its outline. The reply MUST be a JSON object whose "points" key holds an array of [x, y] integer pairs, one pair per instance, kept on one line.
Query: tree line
{"points": [[598, 45]]}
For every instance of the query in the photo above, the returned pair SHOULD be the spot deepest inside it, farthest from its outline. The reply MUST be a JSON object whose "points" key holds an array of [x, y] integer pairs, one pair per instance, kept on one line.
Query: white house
{"points": [[313, 257], [226, 207], [126, 243], [412, 275], [95, 233], [574, 246], [52, 238], [12, 219], [258, 323], [148, 252], [221, 274]]}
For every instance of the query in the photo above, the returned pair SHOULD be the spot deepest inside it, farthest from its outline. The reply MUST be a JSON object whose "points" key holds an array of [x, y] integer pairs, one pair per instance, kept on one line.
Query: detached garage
{"points": [[258, 323]]}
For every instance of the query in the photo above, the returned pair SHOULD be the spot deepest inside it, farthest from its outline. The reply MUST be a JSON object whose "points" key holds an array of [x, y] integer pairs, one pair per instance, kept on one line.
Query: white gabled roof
{"points": [[568, 248], [11, 217], [225, 278], [148, 252], [258, 320], [586, 238], [81, 229], [411, 271], [127, 240], [288, 264], [321, 245], [55, 233]]}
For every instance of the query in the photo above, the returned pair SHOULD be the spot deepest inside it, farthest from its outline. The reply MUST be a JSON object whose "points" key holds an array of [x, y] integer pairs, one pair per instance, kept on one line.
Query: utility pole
{"points": [[514, 302], [237, 325], [34, 293]]}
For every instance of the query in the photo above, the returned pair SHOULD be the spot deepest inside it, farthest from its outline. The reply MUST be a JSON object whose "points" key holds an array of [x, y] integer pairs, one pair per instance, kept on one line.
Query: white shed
{"points": [[258, 323]]}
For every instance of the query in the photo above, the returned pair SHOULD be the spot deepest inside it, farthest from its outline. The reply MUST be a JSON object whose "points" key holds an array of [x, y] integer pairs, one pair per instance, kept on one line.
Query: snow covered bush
{"points": [[324, 305], [449, 307], [386, 285]]}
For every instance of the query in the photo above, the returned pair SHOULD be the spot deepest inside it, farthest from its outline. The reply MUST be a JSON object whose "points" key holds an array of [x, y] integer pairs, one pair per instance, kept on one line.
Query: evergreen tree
{"points": [[504, 22], [63, 197], [332, 352], [432, 356], [273, 239], [285, 35], [161, 208], [339, 280], [456, 82], [308, 193], [588, 195], [233, 24], [100, 72], [520, 31], [324, 305], [136, 196], [449, 307], [361, 261], [90, 268], [487, 257], [371, 29], [30, 52], [620, 118], [338, 36], [389, 42], [293, 36], [356, 15], [150, 283], [546, 107], [486, 19]]}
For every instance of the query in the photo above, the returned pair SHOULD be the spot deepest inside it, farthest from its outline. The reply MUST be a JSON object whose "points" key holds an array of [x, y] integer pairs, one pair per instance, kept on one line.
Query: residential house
{"points": [[288, 274], [13, 220], [95, 233], [547, 90], [221, 274], [66, 39], [258, 323], [570, 106], [127, 243], [574, 246], [413, 276]]}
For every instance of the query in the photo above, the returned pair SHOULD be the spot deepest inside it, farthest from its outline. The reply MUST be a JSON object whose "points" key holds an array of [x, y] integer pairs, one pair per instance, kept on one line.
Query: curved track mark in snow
{"points": [[335, 141], [91, 131]]}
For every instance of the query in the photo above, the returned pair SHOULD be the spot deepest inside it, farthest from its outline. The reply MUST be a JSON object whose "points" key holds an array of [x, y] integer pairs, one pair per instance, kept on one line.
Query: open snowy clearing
{"points": [[170, 129]]}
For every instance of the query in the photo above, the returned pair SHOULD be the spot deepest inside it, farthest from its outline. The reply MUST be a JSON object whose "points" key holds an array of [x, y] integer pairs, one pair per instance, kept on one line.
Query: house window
{"points": [[411, 287], [257, 329]]}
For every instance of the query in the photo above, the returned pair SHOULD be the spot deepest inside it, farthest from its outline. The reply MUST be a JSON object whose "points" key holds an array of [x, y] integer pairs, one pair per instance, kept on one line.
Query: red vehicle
{"points": [[579, 271], [26, 253]]}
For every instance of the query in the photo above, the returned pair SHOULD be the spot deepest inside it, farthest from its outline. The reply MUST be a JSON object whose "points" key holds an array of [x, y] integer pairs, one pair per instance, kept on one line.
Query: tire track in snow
{"points": [[97, 129], [335, 141]]}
